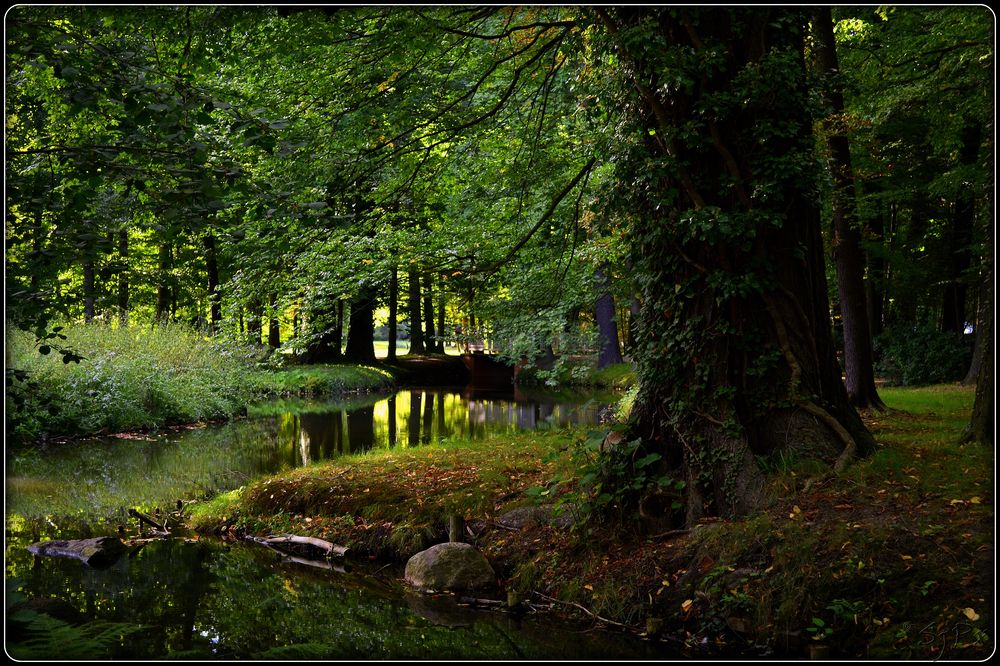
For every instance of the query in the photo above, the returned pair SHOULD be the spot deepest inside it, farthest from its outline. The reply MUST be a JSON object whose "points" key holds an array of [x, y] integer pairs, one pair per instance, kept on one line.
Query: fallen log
{"points": [[99, 552], [286, 557], [329, 549]]}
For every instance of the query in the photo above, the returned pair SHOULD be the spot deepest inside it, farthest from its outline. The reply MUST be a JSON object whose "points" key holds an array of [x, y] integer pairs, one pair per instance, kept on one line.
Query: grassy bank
{"points": [[147, 378], [893, 558], [309, 380]]}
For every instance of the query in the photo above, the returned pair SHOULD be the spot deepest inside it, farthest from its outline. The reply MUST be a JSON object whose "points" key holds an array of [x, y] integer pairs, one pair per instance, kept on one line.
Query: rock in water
{"points": [[450, 566], [98, 552]]}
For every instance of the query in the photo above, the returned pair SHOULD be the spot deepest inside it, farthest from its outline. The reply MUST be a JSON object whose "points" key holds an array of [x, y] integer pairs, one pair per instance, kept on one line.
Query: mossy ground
{"points": [[893, 558]]}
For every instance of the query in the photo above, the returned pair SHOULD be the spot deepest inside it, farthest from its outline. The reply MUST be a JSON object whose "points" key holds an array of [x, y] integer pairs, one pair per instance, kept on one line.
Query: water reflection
{"points": [[207, 599], [313, 431], [98, 477]]}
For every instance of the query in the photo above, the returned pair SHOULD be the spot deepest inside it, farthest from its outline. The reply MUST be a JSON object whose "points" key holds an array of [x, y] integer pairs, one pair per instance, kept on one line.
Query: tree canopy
{"points": [[236, 167]]}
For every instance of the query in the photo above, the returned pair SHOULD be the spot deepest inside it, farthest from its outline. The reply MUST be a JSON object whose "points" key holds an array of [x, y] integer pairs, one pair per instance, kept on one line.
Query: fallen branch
{"points": [[285, 557], [327, 547], [146, 519], [576, 605]]}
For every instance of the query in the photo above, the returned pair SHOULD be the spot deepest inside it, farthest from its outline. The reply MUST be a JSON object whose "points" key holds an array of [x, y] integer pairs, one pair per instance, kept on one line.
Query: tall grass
{"points": [[130, 378]]}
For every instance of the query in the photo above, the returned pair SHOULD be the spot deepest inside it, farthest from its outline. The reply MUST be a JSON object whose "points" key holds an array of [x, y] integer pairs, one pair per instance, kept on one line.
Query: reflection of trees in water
{"points": [[98, 477], [413, 420], [361, 430], [224, 602]]}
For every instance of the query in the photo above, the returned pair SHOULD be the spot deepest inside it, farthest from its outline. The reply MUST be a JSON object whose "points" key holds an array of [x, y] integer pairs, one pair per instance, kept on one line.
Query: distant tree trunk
{"points": [[429, 341], [980, 428], [982, 324], [413, 303], [273, 324], [361, 328], [393, 300], [959, 238], [88, 290], [875, 283], [906, 299], [163, 285], [338, 331], [326, 348], [123, 277], [850, 260], [604, 313], [255, 322], [36, 246], [212, 271], [439, 346]]}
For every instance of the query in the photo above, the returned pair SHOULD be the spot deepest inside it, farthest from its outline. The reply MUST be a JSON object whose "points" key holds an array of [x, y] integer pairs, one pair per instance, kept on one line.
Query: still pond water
{"points": [[208, 599]]}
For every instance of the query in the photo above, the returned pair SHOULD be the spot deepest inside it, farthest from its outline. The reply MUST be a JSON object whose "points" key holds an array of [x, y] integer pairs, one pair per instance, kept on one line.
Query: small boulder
{"points": [[449, 566]]}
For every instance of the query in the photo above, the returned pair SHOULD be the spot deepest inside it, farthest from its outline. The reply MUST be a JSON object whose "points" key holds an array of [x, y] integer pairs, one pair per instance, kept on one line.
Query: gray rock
{"points": [[449, 566]]}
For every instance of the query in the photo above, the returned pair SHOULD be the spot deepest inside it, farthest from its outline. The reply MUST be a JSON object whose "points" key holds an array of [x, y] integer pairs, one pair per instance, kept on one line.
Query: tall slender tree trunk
{"points": [[604, 313], [338, 331], [428, 296], [393, 303], [255, 320], [273, 323], [123, 291], [953, 315], [164, 282], [413, 306], [212, 273], [89, 290], [848, 255], [984, 311], [439, 346], [875, 283], [981, 428]]}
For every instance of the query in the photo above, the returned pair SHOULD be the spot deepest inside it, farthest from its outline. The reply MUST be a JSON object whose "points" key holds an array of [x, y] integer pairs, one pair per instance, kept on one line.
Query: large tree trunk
{"points": [[361, 328], [413, 305], [848, 255], [738, 360], [608, 352], [393, 303]]}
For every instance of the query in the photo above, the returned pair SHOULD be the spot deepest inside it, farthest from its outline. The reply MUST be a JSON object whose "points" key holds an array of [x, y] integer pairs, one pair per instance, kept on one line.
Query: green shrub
{"points": [[129, 378], [914, 355]]}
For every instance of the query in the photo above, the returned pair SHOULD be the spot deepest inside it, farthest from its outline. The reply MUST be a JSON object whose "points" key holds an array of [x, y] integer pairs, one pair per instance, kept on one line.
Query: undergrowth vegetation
{"points": [[130, 378]]}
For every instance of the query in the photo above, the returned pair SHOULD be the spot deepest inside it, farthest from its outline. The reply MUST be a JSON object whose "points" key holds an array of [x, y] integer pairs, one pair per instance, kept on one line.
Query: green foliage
{"points": [[916, 355], [130, 378]]}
